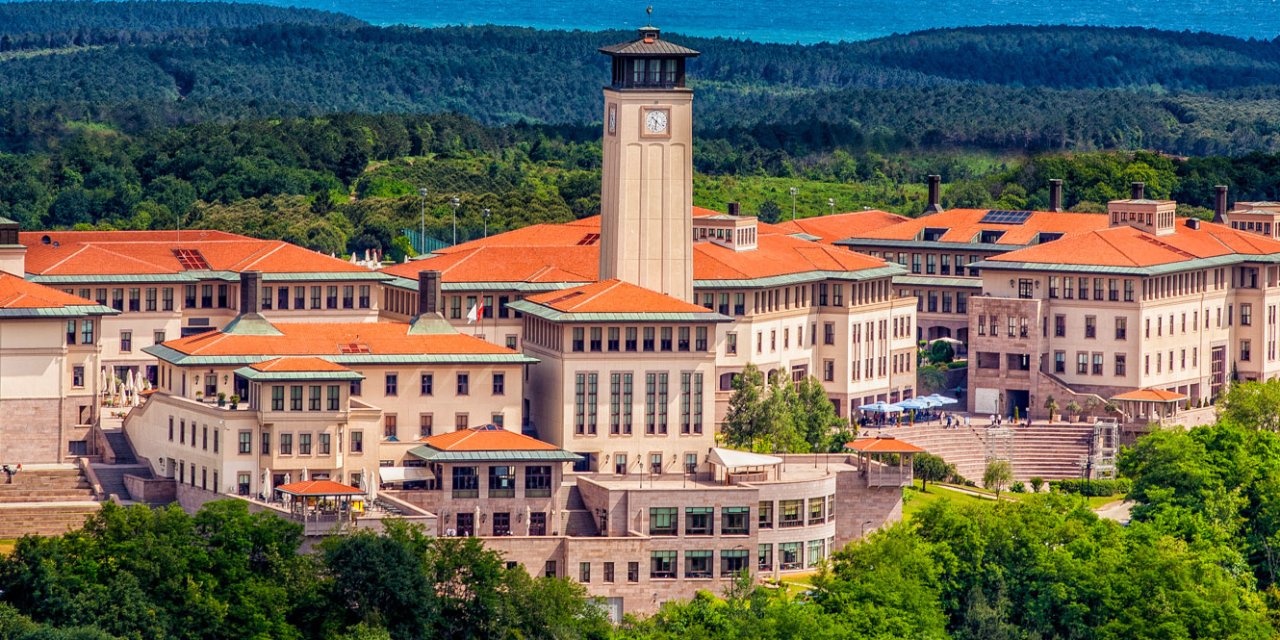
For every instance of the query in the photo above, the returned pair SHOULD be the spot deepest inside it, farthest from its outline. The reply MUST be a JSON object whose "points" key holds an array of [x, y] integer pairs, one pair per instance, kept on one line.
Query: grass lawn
{"points": [[6, 546], [916, 500]]}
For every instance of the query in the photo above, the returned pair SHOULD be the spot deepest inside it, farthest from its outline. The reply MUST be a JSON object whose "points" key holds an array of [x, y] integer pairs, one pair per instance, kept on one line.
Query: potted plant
{"points": [[235, 401], [1073, 411], [199, 396], [1051, 405], [222, 399]]}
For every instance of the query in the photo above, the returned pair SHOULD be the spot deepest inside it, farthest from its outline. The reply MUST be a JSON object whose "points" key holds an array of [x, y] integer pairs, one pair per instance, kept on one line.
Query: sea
{"points": [[812, 21]]}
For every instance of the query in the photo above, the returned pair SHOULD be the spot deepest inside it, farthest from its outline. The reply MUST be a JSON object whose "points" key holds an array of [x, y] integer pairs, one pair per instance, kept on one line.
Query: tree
{"points": [[1254, 404], [998, 474], [1051, 405], [930, 468], [769, 212], [940, 352], [744, 421], [815, 416], [931, 378]]}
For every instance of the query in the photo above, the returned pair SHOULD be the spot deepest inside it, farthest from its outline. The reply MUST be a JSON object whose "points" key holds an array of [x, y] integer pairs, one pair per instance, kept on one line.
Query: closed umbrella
{"points": [[265, 488], [475, 526], [528, 521]]}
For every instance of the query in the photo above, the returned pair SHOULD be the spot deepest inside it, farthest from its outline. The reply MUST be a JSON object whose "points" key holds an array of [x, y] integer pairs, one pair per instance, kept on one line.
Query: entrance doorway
{"points": [[1017, 399]]}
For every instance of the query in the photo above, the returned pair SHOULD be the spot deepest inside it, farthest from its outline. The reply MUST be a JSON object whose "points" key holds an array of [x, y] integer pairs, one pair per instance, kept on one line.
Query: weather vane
{"points": [[649, 10]]}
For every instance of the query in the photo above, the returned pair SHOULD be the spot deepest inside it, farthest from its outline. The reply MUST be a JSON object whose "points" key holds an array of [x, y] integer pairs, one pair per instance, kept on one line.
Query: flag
{"points": [[476, 312]]}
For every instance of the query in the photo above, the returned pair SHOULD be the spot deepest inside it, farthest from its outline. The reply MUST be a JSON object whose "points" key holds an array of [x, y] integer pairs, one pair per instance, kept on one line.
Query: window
{"points": [[828, 333], [1097, 364], [608, 572], [461, 421], [665, 332], [390, 426], [1120, 364], [579, 338], [295, 397], [597, 339], [584, 572], [1082, 363], [348, 297], [790, 555], [732, 562], [630, 344], [357, 442], [549, 569], [791, 512], [325, 444], [364, 297], [304, 444], [614, 341], [817, 510], [313, 398], [286, 444], [245, 444], [764, 557], [649, 334], [464, 384], [662, 564], [425, 425], [157, 337], [166, 299], [277, 397], [86, 332], [266, 443], [1059, 326], [733, 521], [1246, 314], [731, 344], [466, 483], [126, 341], [633, 572], [502, 481], [392, 384], [1090, 326], [697, 521], [426, 384], [499, 384], [1059, 361], [697, 564], [77, 376], [662, 521], [502, 523], [815, 552], [1246, 351], [1122, 328], [334, 397], [1128, 290], [537, 481]]}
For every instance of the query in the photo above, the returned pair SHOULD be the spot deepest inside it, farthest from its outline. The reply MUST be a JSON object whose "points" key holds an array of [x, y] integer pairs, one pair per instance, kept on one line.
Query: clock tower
{"points": [[646, 192]]}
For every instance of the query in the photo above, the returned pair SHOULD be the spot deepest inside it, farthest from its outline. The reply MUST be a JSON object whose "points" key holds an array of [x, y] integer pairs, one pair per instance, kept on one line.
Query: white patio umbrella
{"points": [[528, 521], [475, 526], [266, 488], [372, 488], [304, 474]]}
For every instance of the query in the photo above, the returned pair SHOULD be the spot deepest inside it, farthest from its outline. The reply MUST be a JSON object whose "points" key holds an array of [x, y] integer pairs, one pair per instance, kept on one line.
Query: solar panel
{"points": [[997, 216]]}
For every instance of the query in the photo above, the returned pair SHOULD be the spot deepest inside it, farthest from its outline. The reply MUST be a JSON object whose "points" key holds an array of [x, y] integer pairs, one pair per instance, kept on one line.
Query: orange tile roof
{"points": [[1125, 246], [486, 439], [306, 364], [775, 255], [842, 225], [965, 226], [319, 488], [508, 264], [1151, 395], [882, 444], [333, 339], [17, 293], [614, 296], [71, 253]]}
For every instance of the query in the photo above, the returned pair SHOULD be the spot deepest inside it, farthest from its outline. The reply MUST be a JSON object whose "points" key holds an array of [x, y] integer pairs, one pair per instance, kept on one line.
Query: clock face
{"points": [[613, 119], [655, 121]]}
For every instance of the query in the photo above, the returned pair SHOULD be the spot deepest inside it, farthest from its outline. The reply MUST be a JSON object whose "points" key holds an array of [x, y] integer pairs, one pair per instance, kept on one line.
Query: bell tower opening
{"points": [[646, 191]]}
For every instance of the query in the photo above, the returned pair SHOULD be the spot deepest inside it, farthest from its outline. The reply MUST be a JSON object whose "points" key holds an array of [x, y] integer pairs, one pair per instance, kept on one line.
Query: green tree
{"points": [[745, 420], [815, 417], [769, 212], [998, 475], [930, 468], [1253, 404]]}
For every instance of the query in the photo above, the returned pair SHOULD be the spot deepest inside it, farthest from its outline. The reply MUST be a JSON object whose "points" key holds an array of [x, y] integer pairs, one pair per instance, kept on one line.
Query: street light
{"points": [[487, 213], [831, 202], [794, 191], [422, 226], [455, 203]]}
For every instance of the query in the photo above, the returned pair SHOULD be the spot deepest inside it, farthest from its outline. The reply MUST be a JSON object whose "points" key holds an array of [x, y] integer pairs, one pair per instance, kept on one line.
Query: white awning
{"points": [[732, 459], [402, 474]]}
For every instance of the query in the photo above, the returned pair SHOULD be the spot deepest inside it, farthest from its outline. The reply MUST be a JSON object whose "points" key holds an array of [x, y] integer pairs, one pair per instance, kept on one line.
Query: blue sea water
{"points": [[809, 21]]}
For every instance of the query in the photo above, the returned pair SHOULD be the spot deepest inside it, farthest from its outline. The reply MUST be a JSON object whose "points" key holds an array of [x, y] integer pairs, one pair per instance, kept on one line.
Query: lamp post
{"points": [[793, 191], [455, 203], [422, 225], [487, 213], [831, 203]]}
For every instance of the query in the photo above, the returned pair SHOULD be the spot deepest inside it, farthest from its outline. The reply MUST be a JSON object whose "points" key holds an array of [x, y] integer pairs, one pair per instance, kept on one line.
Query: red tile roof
{"points": [[334, 338], [486, 439], [17, 293], [883, 444], [1125, 246], [1151, 395], [153, 252], [508, 264], [319, 488], [965, 226], [306, 364], [842, 225], [775, 255], [614, 296]]}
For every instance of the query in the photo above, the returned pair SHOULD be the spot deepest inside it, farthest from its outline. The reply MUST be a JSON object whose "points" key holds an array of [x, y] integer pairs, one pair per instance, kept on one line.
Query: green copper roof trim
{"points": [[938, 281], [802, 278], [1156, 270], [197, 276], [173, 356], [410, 284], [929, 244], [431, 454], [552, 315], [251, 324], [250, 373], [70, 311]]}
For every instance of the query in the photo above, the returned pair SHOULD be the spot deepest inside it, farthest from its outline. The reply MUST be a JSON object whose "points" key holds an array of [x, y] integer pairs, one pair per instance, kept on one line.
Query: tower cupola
{"points": [[648, 62]]}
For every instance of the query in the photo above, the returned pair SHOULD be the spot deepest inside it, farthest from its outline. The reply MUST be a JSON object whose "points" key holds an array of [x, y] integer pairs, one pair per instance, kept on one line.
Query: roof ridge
{"points": [[613, 284], [1120, 250], [257, 254]]}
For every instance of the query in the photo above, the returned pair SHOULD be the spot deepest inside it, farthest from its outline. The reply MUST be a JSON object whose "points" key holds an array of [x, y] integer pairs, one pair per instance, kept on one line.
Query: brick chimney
{"points": [[1137, 191], [1055, 194], [1220, 204], [250, 321], [428, 292], [734, 209], [250, 291], [935, 195]]}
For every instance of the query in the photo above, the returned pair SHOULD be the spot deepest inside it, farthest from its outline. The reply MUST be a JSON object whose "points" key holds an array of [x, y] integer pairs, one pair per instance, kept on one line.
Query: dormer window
{"points": [[990, 236]]}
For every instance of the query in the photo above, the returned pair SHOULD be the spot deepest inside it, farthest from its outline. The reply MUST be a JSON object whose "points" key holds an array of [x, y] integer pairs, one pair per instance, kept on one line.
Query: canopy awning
{"points": [[734, 459], [1151, 395], [318, 488], [403, 474], [882, 444]]}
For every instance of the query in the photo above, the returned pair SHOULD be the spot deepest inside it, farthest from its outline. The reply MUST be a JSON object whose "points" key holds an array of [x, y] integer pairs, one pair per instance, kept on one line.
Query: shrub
{"points": [[1092, 488], [1037, 483], [1018, 487]]}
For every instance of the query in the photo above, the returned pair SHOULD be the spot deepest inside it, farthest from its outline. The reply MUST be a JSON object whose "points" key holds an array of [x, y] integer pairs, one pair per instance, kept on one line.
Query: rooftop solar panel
{"points": [[997, 216]]}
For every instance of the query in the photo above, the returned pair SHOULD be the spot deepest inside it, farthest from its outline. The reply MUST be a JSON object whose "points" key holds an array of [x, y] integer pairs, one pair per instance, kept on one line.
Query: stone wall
{"points": [[29, 432], [151, 490]]}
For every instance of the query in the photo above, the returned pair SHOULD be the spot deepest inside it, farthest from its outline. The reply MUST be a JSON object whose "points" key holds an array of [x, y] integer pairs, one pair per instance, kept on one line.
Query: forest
{"points": [[1196, 561]]}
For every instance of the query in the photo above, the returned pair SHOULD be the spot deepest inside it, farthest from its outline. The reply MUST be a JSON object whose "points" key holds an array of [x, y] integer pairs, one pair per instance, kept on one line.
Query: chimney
{"points": [[734, 209], [1220, 204], [1193, 223], [935, 195], [1137, 191], [250, 284], [428, 292], [1055, 194]]}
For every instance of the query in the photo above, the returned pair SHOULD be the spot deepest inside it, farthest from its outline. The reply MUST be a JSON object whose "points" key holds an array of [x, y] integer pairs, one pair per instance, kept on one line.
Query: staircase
{"points": [[120, 446], [111, 477], [44, 500], [1049, 451]]}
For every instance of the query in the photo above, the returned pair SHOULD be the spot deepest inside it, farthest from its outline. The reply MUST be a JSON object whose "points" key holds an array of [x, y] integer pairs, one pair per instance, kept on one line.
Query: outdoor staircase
{"points": [[45, 500], [120, 446], [1049, 451]]}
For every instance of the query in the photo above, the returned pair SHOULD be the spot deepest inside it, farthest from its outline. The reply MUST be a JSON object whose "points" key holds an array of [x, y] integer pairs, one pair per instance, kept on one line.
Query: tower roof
{"points": [[650, 44]]}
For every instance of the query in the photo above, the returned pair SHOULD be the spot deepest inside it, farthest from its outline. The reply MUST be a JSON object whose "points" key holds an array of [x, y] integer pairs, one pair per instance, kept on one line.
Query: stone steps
{"points": [[46, 485], [1045, 451], [53, 519]]}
